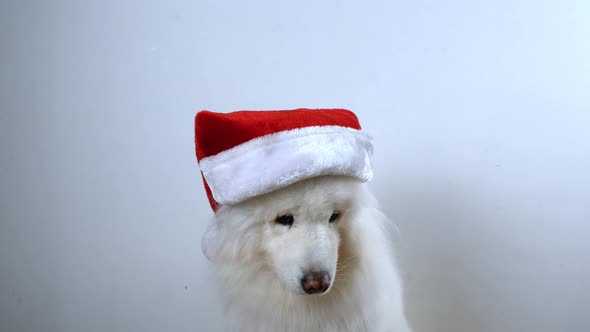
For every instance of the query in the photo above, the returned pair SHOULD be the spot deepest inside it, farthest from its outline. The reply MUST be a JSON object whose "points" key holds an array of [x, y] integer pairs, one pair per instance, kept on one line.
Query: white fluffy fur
{"points": [[259, 263]]}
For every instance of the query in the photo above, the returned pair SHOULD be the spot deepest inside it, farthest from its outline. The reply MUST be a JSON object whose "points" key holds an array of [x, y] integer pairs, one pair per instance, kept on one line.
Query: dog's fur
{"points": [[259, 263]]}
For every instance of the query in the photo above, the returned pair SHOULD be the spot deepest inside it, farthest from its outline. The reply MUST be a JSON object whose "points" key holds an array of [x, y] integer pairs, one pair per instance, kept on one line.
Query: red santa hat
{"points": [[249, 153]]}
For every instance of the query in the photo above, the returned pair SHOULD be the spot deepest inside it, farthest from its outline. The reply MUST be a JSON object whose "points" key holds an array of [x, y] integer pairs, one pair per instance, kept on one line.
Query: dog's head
{"points": [[293, 233]]}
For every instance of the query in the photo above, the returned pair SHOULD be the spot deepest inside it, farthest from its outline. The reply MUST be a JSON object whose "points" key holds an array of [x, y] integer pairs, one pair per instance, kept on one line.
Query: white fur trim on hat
{"points": [[274, 161]]}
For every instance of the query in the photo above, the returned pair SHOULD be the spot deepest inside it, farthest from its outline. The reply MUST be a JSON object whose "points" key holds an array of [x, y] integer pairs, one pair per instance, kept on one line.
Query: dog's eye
{"points": [[335, 215], [285, 220]]}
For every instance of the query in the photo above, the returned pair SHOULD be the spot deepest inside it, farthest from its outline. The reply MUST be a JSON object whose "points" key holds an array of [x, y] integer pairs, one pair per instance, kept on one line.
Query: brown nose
{"points": [[315, 282]]}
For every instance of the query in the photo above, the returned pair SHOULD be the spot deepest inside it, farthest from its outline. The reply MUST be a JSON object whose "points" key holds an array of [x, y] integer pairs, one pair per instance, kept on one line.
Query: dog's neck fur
{"points": [[366, 294]]}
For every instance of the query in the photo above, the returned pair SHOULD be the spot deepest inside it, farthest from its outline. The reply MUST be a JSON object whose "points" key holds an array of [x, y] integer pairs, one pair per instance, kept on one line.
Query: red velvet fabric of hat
{"points": [[244, 154]]}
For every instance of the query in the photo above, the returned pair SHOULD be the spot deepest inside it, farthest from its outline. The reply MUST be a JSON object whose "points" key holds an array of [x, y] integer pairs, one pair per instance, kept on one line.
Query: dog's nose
{"points": [[315, 282]]}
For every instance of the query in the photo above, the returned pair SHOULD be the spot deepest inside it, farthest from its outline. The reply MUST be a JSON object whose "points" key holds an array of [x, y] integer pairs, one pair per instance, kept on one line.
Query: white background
{"points": [[480, 110]]}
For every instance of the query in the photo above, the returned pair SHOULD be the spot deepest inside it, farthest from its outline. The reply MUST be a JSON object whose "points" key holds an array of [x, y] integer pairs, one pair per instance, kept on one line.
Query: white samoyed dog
{"points": [[314, 256]]}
